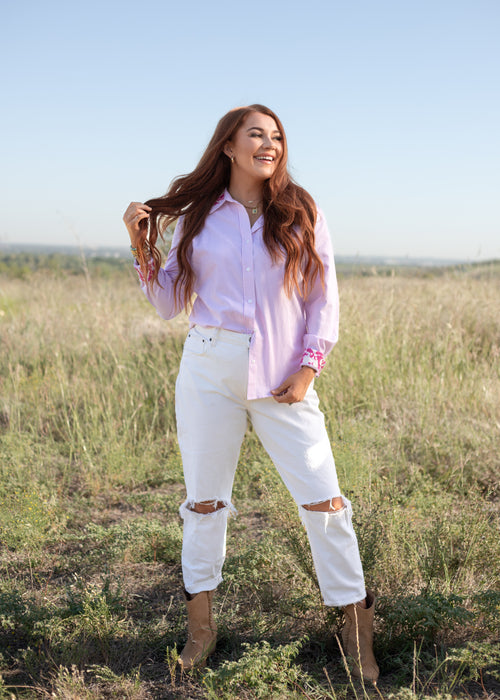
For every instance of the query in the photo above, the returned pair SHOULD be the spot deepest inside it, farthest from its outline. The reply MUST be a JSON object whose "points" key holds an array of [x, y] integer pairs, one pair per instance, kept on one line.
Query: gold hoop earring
{"points": [[232, 159]]}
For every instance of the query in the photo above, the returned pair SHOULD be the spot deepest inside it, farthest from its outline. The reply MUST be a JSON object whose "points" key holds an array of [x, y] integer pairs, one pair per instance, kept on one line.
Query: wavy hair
{"points": [[289, 213]]}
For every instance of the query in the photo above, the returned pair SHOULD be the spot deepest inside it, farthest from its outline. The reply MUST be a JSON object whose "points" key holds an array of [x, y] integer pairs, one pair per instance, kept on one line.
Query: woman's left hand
{"points": [[295, 387]]}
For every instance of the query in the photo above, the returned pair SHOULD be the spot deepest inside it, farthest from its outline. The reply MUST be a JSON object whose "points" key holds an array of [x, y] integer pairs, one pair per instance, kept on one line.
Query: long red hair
{"points": [[289, 213]]}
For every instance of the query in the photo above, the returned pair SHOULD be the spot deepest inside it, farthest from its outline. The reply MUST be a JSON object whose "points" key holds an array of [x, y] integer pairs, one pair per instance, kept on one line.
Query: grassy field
{"points": [[91, 480]]}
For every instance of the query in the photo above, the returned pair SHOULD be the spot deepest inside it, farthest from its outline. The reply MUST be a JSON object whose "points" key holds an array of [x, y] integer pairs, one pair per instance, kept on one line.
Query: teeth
{"points": [[268, 159]]}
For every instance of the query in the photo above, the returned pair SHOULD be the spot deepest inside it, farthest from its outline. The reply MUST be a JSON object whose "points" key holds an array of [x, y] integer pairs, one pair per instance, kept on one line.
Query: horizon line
{"points": [[123, 251]]}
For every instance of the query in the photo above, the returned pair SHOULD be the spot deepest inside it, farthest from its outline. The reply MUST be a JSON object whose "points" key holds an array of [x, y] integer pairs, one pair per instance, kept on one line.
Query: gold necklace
{"points": [[255, 207], [252, 204]]}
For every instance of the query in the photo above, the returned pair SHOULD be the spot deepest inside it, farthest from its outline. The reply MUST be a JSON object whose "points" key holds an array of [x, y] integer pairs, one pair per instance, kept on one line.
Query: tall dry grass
{"points": [[90, 482]]}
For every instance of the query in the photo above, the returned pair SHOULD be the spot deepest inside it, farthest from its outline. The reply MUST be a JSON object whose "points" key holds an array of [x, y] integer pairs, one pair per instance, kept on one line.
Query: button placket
{"points": [[248, 270]]}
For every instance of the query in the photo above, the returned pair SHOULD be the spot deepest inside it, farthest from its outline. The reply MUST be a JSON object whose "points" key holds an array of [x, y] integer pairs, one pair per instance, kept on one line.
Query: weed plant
{"points": [[91, 482]]}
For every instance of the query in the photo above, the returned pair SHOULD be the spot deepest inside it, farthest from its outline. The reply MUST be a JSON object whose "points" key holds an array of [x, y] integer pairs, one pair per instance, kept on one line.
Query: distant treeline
{"points": [[485, 269], [21, 265]]}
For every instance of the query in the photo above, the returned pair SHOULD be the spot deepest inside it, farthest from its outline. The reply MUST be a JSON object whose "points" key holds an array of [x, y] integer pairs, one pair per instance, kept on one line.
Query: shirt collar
{"points": [[226, 197]]}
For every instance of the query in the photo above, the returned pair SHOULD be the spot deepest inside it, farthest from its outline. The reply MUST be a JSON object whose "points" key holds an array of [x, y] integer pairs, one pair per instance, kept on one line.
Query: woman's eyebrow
{"points": [[258, 128]]}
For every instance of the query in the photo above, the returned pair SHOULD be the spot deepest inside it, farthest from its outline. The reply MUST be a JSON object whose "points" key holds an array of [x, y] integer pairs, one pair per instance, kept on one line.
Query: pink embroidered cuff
{"points": [[150, 270], [314, 359]]}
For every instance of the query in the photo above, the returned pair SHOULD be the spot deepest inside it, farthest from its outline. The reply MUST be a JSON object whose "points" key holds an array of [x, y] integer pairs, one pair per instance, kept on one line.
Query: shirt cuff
{"points": [[151, 268], [314, 359]]}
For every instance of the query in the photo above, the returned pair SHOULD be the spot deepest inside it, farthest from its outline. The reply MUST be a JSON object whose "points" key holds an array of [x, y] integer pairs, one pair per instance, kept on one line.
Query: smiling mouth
{"points": [[265, 159]]}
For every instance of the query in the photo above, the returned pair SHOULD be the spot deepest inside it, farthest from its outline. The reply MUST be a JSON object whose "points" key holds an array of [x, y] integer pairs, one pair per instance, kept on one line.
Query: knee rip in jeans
{"points": [[332, 505], [206, 507]]}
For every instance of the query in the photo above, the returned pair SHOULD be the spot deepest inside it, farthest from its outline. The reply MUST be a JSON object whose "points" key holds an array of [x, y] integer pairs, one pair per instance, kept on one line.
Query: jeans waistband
{"points": [[221, 335]]}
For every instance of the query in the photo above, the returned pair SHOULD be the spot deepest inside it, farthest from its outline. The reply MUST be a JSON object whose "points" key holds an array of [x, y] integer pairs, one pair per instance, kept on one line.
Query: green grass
{"points": [[91, 482]]}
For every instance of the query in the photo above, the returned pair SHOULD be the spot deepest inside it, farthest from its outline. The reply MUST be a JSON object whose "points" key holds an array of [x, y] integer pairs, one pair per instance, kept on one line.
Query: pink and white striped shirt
{"points": [[239, 288]]}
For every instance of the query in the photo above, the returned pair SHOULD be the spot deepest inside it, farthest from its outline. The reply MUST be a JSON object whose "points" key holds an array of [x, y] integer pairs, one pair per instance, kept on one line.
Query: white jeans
{"points": [[212, 410]]}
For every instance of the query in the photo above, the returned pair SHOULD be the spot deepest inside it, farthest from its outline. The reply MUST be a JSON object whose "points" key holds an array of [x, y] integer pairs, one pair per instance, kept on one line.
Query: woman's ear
{"points": [[228, 149]]}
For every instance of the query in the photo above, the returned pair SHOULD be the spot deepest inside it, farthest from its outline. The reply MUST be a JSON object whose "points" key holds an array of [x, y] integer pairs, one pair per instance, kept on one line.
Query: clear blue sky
{"points": [[391, 107]]}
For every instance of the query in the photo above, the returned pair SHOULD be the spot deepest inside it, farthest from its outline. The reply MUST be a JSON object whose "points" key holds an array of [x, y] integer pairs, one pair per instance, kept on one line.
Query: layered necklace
{"points": [[253, 205]]}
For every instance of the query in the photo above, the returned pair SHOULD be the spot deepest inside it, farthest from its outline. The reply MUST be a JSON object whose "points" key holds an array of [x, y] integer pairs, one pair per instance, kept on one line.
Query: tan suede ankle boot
{"points": [[202, 630], [357, 639]]}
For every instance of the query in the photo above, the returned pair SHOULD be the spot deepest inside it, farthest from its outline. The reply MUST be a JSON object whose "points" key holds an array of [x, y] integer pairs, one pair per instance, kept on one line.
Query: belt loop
{"points": [[215, 335]]}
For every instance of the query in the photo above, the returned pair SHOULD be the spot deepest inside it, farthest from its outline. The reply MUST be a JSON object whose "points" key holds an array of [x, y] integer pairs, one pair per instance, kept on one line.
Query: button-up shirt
{"points": [[239, 288]]}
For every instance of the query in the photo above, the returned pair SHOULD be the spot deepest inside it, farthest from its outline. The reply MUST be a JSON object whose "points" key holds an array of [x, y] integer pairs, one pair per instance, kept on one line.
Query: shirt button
{"points": [[247, 269], [250, 301]]}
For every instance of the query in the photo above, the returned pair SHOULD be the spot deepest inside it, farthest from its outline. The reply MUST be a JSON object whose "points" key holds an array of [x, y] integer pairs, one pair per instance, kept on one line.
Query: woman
{"points": [[255, 250]]}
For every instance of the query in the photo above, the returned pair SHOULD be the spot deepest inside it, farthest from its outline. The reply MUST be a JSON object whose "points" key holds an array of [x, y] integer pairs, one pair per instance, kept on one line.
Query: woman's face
{"points": [[256, 147]]}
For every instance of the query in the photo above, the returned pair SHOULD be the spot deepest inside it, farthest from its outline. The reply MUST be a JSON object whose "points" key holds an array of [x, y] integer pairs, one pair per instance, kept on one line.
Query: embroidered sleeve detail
{"points": [[151, 268], [314, 359]]}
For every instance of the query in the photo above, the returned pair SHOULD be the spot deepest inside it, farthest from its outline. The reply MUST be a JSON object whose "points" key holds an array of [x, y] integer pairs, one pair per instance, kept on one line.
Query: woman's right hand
{"points": [[135, 213]]}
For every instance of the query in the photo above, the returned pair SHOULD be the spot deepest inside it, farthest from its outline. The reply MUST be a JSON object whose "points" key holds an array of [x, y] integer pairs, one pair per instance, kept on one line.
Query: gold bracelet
{"points": [[145, 249]]}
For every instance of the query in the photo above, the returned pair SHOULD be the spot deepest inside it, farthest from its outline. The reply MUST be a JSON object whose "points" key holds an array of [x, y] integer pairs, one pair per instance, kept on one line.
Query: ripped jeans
{"points": [[212, 411]]}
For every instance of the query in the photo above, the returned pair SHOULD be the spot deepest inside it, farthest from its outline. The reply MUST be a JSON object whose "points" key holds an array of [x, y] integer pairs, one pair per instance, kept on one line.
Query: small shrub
{"points": [[474, 660], [27, 519], [69, 684], [261, 671], [84, 630], [142, 539], [422, 617]]}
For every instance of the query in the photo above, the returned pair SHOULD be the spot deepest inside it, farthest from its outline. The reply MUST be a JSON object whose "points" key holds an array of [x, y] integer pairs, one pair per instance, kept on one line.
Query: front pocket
{"points": [[196, 343]]}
